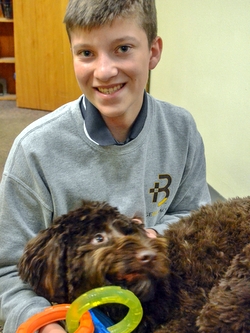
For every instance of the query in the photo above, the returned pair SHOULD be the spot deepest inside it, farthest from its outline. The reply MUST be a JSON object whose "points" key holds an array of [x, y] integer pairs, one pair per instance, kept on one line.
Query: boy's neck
{"points": [[119, 132], [120, 126]]}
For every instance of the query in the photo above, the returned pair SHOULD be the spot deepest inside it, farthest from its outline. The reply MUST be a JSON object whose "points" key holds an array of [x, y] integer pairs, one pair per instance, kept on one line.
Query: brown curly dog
{"points": [[194, 279]]}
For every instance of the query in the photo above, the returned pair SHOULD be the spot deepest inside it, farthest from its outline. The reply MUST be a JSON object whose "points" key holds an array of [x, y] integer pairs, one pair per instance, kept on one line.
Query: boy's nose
{"points": [[105, 68]]}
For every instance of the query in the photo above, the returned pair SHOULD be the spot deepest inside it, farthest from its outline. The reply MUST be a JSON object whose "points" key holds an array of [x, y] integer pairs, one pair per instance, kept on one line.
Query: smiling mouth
{"points": [[109, 91]]}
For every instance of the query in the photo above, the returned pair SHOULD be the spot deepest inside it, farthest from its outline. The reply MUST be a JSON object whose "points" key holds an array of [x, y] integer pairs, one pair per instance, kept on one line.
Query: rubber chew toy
{"points": [[53, 314], [78, 318], [99, 296]]}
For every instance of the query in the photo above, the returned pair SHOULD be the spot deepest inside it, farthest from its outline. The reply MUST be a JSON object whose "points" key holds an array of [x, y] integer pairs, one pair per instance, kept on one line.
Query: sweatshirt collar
{"points": [[97, 130]]}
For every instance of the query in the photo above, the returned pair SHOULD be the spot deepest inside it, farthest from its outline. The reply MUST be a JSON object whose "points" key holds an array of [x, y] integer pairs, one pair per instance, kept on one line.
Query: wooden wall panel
{"points": [[44, 72]]}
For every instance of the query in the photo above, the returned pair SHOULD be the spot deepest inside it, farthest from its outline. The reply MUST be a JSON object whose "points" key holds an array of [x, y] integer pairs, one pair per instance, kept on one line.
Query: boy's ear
{"points": [[155, 49]]}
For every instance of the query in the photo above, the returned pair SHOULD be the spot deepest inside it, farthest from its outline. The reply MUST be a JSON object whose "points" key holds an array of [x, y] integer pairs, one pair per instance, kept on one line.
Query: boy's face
{"points": [[111, 65]]}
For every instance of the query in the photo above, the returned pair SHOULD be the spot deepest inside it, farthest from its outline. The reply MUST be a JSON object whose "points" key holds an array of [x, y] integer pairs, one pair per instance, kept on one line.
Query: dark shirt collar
{"points": [[99, 132]]}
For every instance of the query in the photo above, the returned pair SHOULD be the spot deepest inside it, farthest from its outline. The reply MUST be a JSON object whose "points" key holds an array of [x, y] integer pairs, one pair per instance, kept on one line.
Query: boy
{"points": [[115, 143]]}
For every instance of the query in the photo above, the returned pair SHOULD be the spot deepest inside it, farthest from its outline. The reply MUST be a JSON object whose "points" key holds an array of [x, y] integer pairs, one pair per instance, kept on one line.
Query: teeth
{"points": [[110, 90]]}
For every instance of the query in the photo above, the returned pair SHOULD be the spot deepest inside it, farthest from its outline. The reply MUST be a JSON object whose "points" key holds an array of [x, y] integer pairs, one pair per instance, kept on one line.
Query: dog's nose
{"points": [[145, 256]]}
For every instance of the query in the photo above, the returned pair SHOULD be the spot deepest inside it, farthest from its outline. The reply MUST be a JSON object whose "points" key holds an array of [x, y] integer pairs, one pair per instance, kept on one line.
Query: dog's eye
{"points": [[99, 238]]}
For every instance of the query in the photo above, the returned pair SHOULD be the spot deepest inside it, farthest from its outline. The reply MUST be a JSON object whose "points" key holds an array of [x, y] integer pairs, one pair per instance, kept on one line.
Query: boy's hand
{"points": [[151, 233], [52, 328]]}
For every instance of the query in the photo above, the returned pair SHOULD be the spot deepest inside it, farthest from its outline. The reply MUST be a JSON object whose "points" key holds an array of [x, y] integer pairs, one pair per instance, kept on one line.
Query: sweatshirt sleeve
{"points": [[192, 191], [17, 301]]}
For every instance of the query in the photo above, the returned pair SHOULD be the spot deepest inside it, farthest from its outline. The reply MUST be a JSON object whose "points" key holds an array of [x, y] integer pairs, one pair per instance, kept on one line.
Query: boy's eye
{"points": [[124, 48], [85, 53]]}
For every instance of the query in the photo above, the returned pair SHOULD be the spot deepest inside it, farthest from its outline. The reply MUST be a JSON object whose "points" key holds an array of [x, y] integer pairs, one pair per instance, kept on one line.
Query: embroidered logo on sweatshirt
{"points": [[156, 191]]}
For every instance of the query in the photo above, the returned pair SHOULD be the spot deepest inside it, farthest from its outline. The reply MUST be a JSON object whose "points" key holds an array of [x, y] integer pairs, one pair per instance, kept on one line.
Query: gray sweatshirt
{"points": [[159, 176]]}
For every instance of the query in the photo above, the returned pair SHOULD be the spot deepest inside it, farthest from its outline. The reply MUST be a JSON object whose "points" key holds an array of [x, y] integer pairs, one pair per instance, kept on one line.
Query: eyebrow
{"points": [[125, 38]]}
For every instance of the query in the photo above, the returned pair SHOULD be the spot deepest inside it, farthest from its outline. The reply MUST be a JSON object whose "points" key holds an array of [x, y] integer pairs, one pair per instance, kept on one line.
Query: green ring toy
{"points": [[104, 295]]}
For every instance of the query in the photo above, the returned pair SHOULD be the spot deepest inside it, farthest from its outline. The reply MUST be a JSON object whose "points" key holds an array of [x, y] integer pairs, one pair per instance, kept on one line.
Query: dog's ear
{"points": [[42, 265]]}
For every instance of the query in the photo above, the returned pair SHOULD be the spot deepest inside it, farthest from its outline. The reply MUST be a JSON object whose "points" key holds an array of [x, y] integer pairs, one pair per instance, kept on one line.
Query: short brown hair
{"points": [[89, 14]]}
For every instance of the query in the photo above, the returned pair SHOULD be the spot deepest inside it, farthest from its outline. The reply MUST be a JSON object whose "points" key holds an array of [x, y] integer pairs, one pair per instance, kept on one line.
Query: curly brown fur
{"points": [[96, 246], [172, 275], [200, 249], [228, 307]]}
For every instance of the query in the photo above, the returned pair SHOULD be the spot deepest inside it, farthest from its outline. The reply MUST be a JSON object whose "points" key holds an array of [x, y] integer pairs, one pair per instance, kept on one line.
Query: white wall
{"points": [[205, 67]]}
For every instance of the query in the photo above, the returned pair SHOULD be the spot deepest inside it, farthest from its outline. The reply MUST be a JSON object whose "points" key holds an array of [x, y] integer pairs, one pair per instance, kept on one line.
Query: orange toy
{"points": [[52, 314]]}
